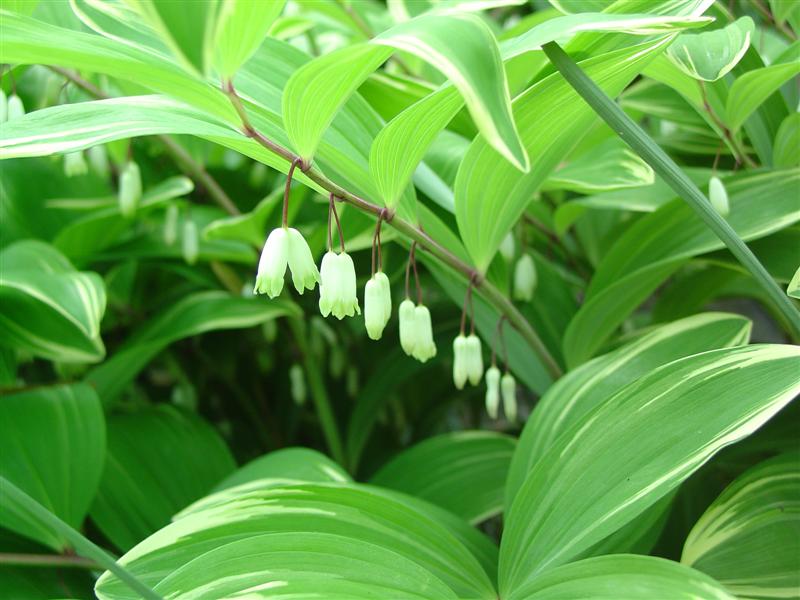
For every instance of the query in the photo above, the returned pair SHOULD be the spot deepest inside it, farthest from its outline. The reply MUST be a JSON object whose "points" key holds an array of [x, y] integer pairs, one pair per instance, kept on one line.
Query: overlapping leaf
{"points": [[463, 472], [52, 446], [749, 538], [608, 467], [144, 485], [49, 308]]}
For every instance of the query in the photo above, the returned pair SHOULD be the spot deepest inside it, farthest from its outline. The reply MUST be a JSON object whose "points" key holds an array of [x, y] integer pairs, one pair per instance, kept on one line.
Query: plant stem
{"points": [[490, 293], [319, 393], [184, 160], [48, 560], [662, 164], [738, 152], [23, 503]]}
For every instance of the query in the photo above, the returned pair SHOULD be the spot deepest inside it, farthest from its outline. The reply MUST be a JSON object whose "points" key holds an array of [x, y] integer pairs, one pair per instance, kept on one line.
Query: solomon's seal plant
{"points": [[600, 195]]}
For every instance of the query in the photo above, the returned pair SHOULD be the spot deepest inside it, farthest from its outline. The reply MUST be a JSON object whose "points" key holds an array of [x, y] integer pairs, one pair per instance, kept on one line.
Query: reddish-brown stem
{"points": [[285, 214]]}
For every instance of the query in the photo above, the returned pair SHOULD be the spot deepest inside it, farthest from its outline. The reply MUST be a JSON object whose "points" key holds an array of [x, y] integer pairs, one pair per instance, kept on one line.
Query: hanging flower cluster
{"points": [[11, 107], [285, 246]]}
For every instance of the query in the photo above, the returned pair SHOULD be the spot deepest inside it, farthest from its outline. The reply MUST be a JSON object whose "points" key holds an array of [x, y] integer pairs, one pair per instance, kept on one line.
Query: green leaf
{"points": [[49, 308], [629, 576], [609, 166], [241, 27], [463, 472], [490, 195], [591, 384], [375, 522], [249, 227], [609, 467], [464, 49], [302, 464], [187, 33], [315, 92], [786, 152], [761, 203], [401, 145], [195, 314], [751, 89], [749, 538], [710, 55], [144, 485], [600, 316], [52, 446]]}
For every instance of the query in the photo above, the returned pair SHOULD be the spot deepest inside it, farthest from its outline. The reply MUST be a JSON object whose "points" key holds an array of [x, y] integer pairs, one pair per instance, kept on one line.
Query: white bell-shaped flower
{"points": [[718, 196], [98, 160], [460, 361], [74, 164], [508, 389], [474, 359], [304, 271], [15, 108], [492, 391], [337, 290], [272, 264], [190, 246], [130, 189], [507, 247], [524, 278], [424, 346], [408, 330], [377, 305]]}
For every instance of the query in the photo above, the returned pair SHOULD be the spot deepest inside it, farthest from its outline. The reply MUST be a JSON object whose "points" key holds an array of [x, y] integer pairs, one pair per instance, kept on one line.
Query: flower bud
{"points": [[191, 242], [507, 247], [3, 107], [474, 359], [171, 225], [492, 391], [74, 164], [130, 189], [508, 387], [15, 108], [718, 196], [301, 263], [524, 278], [272, 264], [337, 290], [460, 361], [297, 384], [377, 305], [98, 160], [407, 316], [424, 346]]}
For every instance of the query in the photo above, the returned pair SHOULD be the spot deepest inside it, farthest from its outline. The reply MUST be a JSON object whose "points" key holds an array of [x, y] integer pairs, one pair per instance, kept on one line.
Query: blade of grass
{"points": [[662, 164], [82, 545]]}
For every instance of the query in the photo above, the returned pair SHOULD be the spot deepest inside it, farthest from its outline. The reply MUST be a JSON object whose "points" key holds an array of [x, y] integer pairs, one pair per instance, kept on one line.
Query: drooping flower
{"points": [[3, 107], [98, 160], [718, 196], [74, 164], [424, 346], [304, 271], [377, 305], [508, 387], [272, 264], [474, 359], [130, 189], [408, 330], [524, 278], [507, 247], [15, 109], [297, 384], [492, 391], [190, 246], [171, 225], [337, 290], [460, 361]]}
